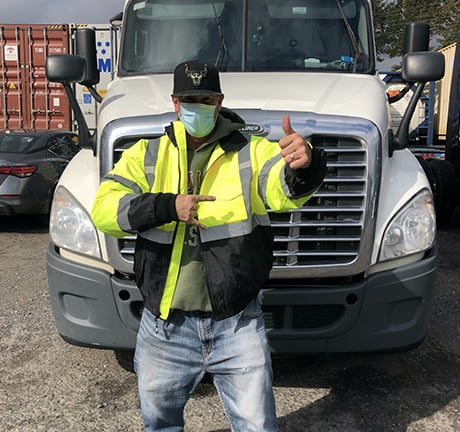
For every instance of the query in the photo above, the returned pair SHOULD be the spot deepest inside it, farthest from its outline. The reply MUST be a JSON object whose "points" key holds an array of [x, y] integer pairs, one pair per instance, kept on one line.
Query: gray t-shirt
{"points": [[191, 293]]}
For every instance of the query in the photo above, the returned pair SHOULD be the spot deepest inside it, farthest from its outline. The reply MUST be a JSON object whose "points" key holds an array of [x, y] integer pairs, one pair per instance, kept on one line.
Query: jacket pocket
{"points": [[225, 209]]}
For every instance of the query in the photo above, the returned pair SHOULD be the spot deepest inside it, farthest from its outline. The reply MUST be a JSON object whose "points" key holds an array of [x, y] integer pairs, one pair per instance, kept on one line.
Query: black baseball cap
{"points": [[194, 78]]}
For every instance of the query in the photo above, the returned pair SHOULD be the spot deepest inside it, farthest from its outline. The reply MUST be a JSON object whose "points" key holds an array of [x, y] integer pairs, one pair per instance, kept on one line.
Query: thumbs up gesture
{"points": [[294, 150]]}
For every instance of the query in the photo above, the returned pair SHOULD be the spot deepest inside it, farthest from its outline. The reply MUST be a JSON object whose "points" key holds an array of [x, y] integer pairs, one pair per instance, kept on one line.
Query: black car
{"points": [[31, 163]]}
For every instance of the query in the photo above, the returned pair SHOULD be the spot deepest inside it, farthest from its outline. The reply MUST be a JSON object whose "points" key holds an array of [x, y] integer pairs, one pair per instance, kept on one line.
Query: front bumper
{"points": [[92, 307], [388, 310]]}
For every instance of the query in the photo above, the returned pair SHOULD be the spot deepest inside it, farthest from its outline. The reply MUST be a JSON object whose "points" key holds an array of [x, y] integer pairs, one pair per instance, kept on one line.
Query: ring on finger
{"points": [[292, 157]]}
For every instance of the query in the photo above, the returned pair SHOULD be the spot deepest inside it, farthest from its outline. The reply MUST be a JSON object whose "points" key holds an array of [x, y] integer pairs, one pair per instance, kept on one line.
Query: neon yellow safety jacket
{"points": [[245, 176]]}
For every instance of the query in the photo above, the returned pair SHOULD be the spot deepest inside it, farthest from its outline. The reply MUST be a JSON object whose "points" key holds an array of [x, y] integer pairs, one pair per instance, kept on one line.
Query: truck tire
{"points": [[444, 190], [125, 359]]}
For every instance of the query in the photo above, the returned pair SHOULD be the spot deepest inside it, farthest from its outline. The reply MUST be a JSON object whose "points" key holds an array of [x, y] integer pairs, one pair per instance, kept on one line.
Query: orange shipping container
{"points": [[27, 99]]}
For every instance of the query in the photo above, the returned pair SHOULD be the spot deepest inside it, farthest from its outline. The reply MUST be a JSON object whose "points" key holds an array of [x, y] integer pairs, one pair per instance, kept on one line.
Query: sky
{"points": [[58, 11]]}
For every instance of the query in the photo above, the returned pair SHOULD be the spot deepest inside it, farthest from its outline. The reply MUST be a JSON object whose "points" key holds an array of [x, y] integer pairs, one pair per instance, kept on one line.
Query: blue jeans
{"points": [[172, 357]]}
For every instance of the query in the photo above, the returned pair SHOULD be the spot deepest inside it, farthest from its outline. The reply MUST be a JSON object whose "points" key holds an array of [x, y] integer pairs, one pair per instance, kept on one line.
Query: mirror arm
{"points": [[401, 140], [95, 94], [86, 139]]}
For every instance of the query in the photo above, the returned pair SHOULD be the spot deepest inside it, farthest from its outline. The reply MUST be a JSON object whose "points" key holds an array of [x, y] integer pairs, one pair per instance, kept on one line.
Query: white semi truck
{"points": [[354, 269]]}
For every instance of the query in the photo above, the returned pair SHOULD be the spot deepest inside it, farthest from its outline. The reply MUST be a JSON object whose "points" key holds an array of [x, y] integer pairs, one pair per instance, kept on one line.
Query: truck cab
{"points": [[353, 270]]}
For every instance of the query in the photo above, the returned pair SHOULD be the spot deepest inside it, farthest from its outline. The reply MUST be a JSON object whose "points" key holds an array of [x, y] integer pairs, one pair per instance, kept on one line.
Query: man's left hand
{"points": [[294, 150]]}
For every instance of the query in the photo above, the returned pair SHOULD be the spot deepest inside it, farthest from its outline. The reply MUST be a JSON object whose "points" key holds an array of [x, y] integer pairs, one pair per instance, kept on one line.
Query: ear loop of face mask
{"points": [[198, 119]]}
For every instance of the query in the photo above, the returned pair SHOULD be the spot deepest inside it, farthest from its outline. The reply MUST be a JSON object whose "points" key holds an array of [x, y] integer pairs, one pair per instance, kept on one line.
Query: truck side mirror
{"points": [[65, 69], [423, 67], [69, 69], [416, 37], [85, 46], [420, 68]]}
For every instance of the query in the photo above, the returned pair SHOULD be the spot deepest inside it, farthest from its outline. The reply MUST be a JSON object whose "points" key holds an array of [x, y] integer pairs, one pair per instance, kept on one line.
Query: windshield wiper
{"points": [[351, 36], [223, 51]]}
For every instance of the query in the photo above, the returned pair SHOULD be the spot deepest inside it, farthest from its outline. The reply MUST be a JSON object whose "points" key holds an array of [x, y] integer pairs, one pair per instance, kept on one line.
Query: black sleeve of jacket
{"points": [[152, 209], [305, 180]]}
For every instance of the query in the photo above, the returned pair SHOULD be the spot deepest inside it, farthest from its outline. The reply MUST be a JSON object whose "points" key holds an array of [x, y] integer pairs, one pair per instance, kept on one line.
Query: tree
{"points": [[391, 17]]}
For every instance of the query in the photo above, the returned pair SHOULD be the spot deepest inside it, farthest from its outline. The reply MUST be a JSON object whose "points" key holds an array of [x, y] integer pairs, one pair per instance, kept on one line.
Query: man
{"points": [[197, 199]]}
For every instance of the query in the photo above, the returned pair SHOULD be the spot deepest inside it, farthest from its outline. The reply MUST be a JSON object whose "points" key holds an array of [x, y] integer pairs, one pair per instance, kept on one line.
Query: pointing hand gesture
{"points": [[187, 208], [295, 151]]}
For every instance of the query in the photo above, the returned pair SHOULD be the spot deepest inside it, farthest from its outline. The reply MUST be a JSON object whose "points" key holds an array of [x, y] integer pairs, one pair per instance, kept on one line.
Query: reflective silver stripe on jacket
{"points": [[150, 160], [244, 227], [122, 216], [125, 182], [235, 229], [158, 235], [263, 177], [123, 207]]}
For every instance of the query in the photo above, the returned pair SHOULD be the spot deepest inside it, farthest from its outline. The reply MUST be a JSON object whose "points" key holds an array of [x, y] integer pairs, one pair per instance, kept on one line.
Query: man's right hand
{"points": [[187, 208]]}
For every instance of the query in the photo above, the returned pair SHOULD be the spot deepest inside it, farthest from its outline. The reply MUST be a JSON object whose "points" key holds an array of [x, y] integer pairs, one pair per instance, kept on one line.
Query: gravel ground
{"points": [[48, 385]]}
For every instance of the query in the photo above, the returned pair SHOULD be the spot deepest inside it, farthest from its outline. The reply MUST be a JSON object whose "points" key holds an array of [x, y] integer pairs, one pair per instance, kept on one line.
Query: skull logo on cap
{"points": [[196, 75]]}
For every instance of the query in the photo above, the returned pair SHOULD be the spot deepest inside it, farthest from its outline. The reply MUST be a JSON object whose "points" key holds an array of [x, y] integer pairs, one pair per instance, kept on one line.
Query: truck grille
{"points": [[328, 230]]}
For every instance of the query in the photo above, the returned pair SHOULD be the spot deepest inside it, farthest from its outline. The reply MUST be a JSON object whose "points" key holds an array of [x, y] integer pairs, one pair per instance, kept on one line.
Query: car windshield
{"points": [[248, 35], [16, 143]]}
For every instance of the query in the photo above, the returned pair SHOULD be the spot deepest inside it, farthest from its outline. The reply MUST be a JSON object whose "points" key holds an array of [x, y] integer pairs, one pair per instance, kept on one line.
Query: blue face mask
{"points": [[198, 119]]}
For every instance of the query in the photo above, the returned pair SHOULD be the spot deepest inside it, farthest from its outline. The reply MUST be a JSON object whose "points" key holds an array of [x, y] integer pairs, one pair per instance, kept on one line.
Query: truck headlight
{"points": [[71, 226], [412, 230]]}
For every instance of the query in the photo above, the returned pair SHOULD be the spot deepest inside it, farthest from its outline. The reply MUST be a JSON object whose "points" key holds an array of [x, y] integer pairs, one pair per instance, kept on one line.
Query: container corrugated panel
{"points": [[27, 99], [443, 93]]}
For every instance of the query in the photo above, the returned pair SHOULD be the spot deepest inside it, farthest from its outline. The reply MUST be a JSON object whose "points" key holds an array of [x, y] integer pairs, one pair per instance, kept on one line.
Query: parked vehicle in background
{"points": [[29, 102], [31, 163]]}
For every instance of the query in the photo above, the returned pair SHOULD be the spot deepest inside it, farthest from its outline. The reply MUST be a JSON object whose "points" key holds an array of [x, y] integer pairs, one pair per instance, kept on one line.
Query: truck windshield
{"points": [[247, 35]]}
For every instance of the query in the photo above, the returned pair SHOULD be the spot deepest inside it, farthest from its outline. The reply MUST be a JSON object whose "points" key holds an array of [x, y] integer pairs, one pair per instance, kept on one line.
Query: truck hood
{"points": [[321, 93]]}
